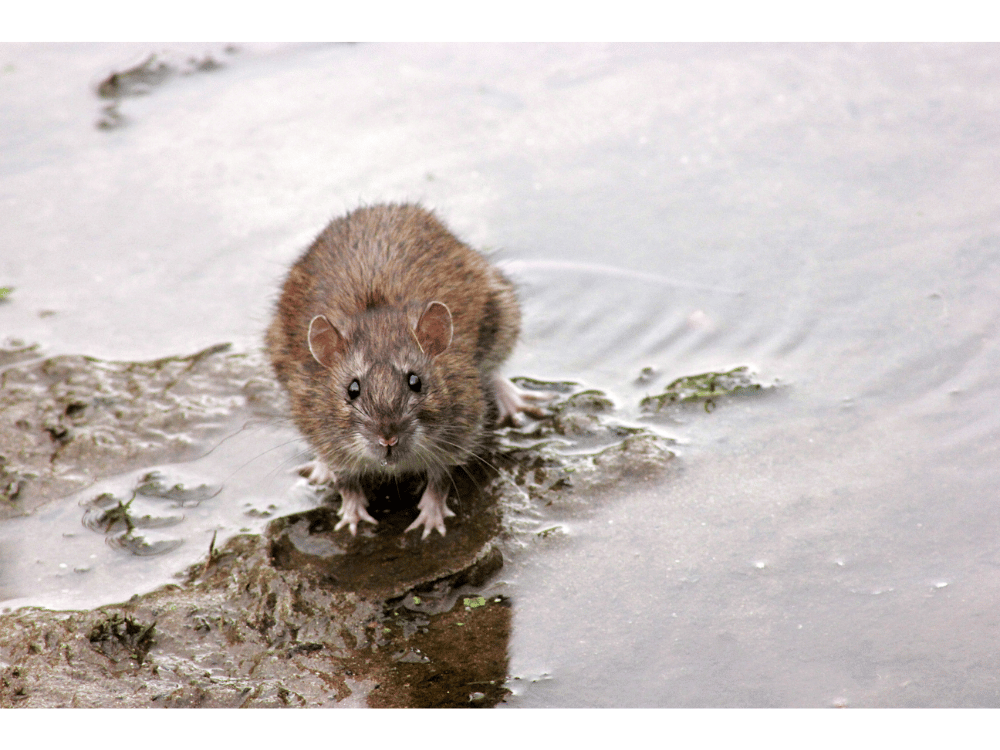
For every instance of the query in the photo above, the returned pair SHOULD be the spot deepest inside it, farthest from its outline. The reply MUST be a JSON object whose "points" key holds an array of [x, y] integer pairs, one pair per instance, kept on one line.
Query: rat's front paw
{"points": [[433, 511], [353, 509]]}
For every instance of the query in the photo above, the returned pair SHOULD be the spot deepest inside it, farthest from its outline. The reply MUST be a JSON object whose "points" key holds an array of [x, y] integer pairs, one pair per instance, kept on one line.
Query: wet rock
{"points": [[384, 561]]}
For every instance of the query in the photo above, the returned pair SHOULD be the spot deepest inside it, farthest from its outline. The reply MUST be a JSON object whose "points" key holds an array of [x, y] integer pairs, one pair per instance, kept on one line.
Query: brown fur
{"points": [[372, 274]]}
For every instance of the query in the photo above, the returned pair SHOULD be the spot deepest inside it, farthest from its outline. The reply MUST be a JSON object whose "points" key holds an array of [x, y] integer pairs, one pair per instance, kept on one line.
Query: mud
{"points": [[67, 421], [300, 615], [145, 76]]}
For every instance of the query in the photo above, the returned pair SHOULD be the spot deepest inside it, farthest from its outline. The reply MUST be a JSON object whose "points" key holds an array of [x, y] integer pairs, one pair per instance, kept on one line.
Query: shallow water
{"points": [[824, 214], [71, 555]]}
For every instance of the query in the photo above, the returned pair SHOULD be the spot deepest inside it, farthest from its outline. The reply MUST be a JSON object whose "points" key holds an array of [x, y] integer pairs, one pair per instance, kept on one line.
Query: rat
{"points": [[387, 336]]}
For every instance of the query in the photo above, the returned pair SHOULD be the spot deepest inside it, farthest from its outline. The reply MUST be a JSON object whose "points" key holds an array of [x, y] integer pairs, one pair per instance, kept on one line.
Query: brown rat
{"points": [[387, 336]]}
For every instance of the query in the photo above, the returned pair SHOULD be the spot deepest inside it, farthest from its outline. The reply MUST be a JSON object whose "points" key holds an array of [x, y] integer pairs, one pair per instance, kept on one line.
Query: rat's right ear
{"points": [[325, 341], [434, 329]]}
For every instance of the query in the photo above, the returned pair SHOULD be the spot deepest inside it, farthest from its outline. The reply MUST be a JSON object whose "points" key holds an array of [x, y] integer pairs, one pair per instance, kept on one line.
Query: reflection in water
{"points": [[450, 659]]}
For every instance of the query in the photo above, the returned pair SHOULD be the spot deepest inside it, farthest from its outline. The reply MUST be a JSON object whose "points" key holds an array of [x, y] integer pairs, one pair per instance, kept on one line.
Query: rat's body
{"points": [[387, 336]]}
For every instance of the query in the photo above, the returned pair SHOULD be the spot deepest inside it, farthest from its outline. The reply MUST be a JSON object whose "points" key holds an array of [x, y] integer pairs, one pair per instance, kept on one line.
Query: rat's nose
{"points": [[386, 442]]}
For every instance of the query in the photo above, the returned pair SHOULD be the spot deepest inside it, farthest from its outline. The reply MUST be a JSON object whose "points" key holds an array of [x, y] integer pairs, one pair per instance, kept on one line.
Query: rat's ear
{"points": [[433, 331], [325, 341]]}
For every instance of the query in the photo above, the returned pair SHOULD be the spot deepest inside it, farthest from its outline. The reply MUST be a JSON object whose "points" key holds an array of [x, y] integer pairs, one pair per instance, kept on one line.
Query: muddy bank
{"points": [[299, 615], [243, 633]]}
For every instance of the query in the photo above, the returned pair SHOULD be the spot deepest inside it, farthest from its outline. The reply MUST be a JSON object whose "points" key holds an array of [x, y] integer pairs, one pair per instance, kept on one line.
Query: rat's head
{"points": [[383, 399]]}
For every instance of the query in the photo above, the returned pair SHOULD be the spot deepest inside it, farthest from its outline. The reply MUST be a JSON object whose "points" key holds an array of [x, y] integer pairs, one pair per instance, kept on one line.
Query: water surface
{"points": [[827, 215]]}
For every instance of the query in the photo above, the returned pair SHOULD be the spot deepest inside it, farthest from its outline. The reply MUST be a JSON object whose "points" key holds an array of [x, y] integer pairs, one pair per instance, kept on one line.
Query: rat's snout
{"points": [[388, 440]]}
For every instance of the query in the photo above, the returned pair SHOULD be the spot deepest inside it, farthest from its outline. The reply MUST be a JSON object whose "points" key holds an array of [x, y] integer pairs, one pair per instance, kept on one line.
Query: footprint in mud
{"points": [[133, 526]]}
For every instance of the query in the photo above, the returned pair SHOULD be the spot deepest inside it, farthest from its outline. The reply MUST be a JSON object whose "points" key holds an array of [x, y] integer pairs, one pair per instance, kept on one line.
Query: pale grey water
{"points": [[826, 214]]}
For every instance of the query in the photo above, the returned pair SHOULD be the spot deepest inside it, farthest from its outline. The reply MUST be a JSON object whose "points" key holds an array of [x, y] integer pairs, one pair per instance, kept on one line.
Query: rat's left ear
{"points": [[434, 329]]}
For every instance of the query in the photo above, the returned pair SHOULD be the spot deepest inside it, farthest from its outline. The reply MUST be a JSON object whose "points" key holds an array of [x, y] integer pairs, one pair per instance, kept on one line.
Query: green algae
{"points": [[704, 388]]}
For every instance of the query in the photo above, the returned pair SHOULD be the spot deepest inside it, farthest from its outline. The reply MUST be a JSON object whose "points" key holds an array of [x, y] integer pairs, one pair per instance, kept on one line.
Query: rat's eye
{"points": [[354, 389], [413, 380]]}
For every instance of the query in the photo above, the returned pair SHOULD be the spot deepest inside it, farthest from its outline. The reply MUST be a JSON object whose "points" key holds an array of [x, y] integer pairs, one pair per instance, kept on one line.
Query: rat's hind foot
{"points": [[433, 510], [511, 400], [317, 472], [353, 509]]}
